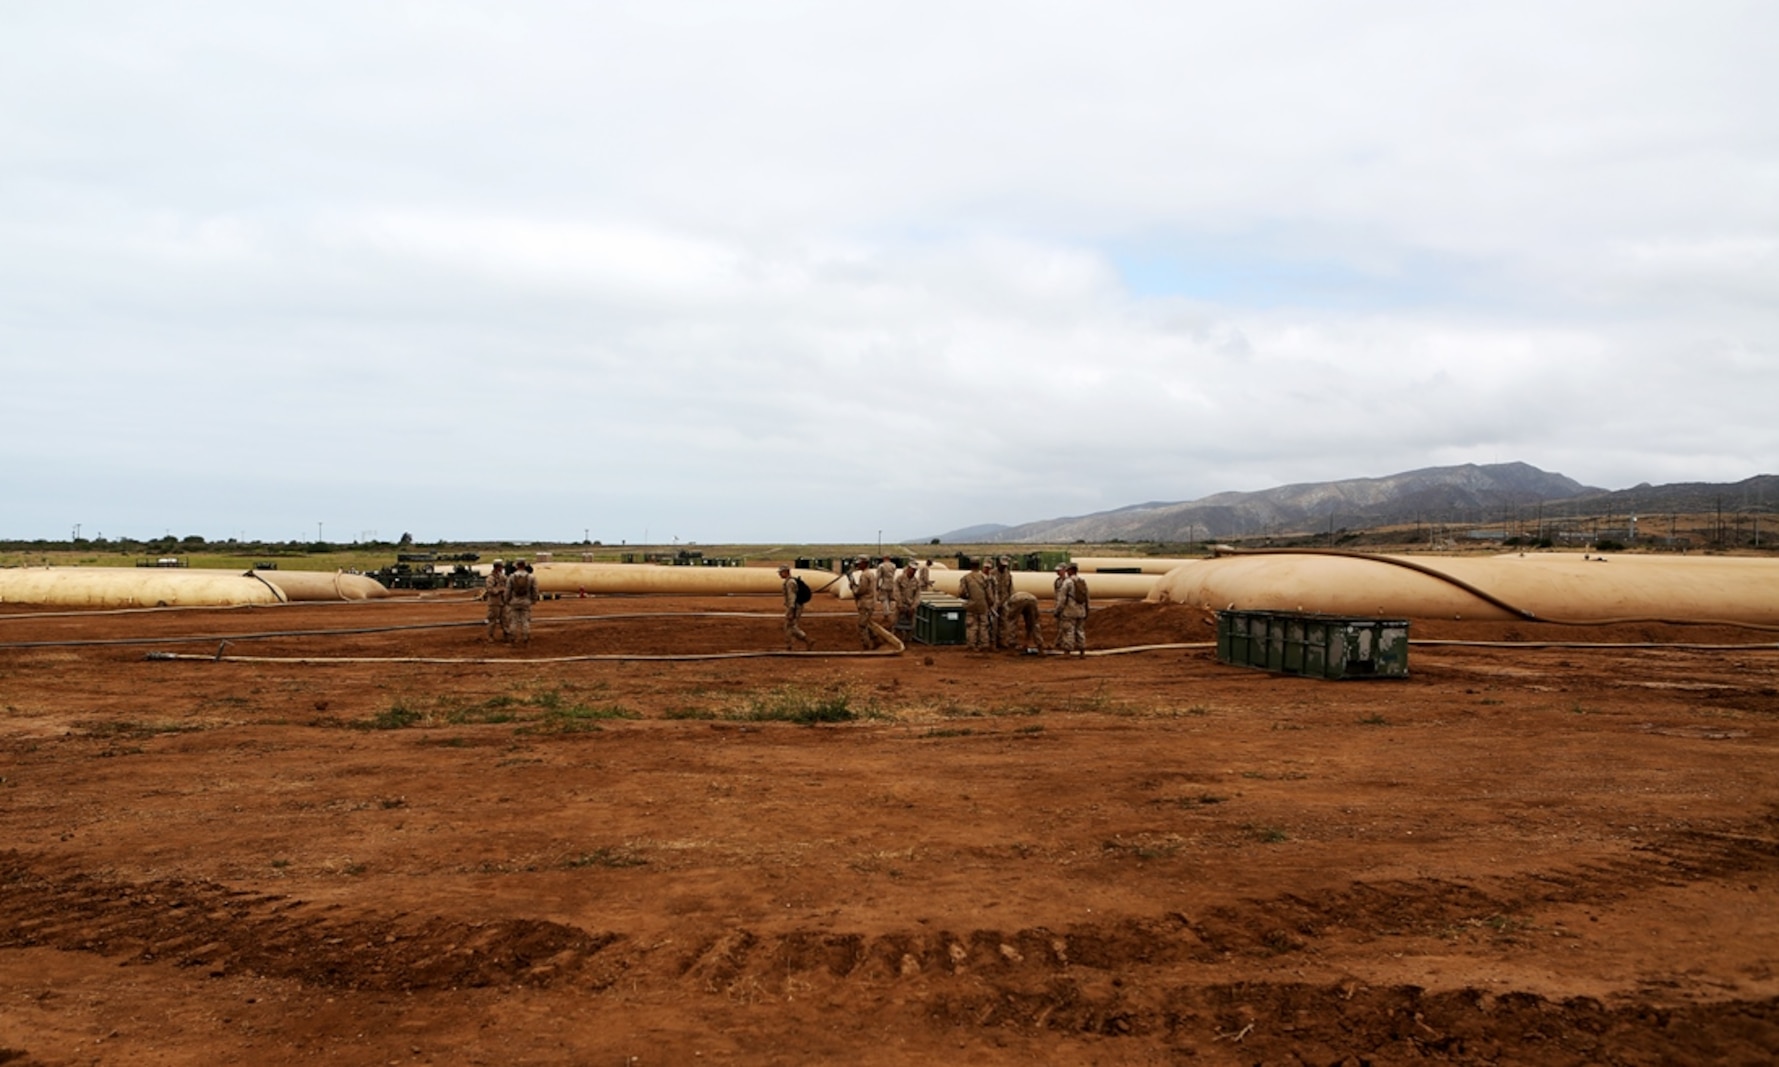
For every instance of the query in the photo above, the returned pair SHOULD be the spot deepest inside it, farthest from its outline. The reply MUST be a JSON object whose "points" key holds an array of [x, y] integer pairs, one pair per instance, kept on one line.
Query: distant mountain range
{"points": [[1467, 494]]}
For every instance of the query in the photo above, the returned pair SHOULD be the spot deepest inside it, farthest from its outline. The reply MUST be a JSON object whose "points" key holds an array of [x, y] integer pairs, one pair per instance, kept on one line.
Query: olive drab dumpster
{"points": [[1316, 646]]}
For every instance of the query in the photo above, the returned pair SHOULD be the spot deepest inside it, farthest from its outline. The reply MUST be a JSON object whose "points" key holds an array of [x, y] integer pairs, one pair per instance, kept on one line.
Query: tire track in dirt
{"points": [[1036, 975], [1368, 910], [1111, 981], [1123, 978], [1341, 1024], [203, 925]]}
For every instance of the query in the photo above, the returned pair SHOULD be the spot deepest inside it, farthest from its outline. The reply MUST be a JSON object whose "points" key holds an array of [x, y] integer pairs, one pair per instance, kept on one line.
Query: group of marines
{"points": [[995, 616], [510, 591]]}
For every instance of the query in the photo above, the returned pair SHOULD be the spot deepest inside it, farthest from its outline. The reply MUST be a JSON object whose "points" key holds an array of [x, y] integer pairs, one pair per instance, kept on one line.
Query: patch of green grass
{"points": [[562, 718], [493, 710], [794, 704], [1374, 719], [1269, 835], [689, 713], [557, 713], [955, 731], [1030, 728], [1201, 800], [394, 717], [549, 699]]}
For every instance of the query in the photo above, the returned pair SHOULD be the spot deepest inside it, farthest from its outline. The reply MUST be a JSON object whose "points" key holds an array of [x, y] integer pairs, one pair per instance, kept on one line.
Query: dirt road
{"points": [[432, 850]]}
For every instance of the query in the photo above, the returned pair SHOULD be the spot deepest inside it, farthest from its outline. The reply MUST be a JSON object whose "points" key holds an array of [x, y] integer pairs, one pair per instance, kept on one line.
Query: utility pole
{"points": [[318, 538]]}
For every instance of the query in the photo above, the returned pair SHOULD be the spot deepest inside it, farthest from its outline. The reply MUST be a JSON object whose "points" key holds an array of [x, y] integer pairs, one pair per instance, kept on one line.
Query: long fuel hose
{"points": [[893, 647], [263, 635]]}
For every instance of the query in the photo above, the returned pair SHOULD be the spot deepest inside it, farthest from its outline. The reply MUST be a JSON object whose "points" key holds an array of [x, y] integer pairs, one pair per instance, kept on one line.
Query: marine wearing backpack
{"points": [[521, 594], [796, 594]]}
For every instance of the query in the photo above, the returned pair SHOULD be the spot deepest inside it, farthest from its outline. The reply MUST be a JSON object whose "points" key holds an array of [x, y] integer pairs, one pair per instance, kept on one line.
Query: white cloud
{"points": [[803, 271]]}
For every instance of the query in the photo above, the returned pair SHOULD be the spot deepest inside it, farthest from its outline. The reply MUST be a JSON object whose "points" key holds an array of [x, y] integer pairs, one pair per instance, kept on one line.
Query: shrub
{"points": [[792, 704]]}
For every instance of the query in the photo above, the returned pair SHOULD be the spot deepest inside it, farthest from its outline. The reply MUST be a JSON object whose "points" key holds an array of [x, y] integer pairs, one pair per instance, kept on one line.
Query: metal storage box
{"points": [[1317, 646], [939, 620]]}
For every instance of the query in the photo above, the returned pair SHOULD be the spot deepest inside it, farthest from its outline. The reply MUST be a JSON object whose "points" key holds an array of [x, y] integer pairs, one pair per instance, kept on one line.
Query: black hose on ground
{"points": [[354, 631]]}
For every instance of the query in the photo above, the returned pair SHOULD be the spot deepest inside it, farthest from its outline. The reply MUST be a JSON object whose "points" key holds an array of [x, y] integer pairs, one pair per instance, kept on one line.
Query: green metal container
{"points": [[939, 620], [1316, 646]]}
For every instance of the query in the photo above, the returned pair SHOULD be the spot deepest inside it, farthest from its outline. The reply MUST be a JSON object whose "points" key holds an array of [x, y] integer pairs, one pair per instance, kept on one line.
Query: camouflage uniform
{"points": [[907, 597], [1002, 577], [521, 594], [977, 591], [1022, 608], [886, 589], [864, 599], [494, 591], [1071, 615], [792, 612]]}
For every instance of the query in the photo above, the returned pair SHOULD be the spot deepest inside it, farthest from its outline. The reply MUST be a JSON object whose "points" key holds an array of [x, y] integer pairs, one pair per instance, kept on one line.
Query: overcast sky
{"points": [[799, 272]]}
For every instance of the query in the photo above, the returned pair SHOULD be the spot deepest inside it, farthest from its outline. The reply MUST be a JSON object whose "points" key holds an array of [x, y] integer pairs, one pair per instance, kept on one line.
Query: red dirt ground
{"points": [[1519, 855]]}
